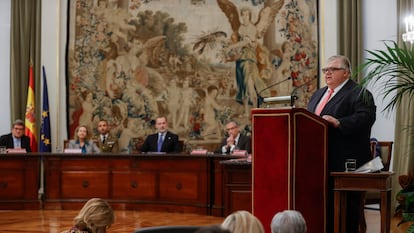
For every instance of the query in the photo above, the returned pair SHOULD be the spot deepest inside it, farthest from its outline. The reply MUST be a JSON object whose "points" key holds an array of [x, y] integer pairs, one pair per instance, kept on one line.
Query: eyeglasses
{"points": [[16, 128], [331, 69]]}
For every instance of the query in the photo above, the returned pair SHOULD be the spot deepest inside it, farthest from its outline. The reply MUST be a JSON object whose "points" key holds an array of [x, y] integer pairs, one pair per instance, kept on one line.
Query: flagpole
{"points": [[45, 142]]}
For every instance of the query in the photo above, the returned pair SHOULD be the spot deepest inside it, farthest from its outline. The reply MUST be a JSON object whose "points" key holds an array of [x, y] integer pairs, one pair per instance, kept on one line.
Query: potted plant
{"points": [[405, 198], [393, 69]]}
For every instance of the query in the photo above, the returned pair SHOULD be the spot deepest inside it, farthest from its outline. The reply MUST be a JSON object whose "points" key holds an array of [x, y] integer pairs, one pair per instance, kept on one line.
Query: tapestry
{"points": [[200, 63]]}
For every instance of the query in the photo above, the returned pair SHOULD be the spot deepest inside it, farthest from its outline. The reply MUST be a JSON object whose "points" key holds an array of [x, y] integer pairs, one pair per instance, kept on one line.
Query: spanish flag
{"points": [[30, 116]]}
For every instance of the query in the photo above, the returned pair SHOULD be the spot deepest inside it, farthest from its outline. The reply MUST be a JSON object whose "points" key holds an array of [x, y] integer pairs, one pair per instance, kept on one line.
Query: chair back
{"points": [[168, 229], [66, 143], [385, 152]]}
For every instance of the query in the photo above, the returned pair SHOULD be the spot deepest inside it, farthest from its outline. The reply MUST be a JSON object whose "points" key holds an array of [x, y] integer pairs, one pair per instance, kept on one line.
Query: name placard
{"points": [[73, 151], [17, 150], [239, 152], [199, 152]]}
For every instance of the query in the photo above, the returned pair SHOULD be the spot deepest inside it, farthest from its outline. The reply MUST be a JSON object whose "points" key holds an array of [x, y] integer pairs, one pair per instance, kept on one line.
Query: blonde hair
{"points": [[95, 214], [76, 137], [242, 222]]}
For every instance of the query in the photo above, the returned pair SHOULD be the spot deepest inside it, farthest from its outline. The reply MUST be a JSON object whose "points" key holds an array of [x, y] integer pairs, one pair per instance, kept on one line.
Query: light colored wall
{"points": [[53, 58], [5, 66], [54, 41], [380, 24]]}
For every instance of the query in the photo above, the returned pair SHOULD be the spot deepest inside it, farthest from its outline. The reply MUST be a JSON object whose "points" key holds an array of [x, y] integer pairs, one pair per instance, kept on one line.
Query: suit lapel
{"points": [[339, 96], [240, 141], [318, 96]]}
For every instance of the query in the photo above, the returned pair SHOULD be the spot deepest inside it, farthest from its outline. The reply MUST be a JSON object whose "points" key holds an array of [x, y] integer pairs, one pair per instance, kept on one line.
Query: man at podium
{"points": [[350, 112]]}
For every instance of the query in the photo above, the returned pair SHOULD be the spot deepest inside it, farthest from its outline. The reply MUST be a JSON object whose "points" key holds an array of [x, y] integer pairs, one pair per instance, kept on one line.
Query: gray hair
{"points": [[18, 122], [346, 64], [288, 221]]}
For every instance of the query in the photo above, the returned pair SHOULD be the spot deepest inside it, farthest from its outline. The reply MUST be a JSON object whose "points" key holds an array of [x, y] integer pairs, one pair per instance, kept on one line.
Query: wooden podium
{"points": [[289, 165]]}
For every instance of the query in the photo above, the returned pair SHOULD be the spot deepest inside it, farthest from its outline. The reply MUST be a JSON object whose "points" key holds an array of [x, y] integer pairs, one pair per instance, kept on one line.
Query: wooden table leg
{"points": [[385, 209], [344, 199], [337, 211]]}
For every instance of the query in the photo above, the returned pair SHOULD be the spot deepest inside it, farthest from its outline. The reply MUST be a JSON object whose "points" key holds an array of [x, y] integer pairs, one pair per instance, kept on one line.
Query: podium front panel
{"points": [[289, 165]]}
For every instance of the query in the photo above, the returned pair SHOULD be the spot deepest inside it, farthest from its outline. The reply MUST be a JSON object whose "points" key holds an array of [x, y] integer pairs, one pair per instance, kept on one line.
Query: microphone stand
{"points": [[293, 96], [260, 98]]}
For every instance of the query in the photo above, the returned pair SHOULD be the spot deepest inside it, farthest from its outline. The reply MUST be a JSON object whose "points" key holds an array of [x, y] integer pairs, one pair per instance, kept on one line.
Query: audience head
{"points": [[212, 229], [232, 128], [95, 216], [288, 221], [242, 222], [161, 124], [18, 128], [103, 127], [81, 133]]}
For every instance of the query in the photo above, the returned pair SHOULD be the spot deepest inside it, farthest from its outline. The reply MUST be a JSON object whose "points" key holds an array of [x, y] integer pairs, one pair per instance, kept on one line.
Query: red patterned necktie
{"points": [[324, 102]]}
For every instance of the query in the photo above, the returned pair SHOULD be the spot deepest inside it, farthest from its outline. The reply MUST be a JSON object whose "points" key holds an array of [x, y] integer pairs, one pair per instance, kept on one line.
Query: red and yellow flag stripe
{"points": [[30, 116]]}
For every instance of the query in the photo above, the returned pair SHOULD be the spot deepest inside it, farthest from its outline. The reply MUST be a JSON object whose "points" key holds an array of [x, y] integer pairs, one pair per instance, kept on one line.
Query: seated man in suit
{"points": [[235, 140], [163, 140], [105, 141], [16, 139]]}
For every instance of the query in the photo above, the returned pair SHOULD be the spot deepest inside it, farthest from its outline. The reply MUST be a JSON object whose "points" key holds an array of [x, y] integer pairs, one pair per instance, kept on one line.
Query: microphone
{"points": [[260, 98], [293, 96]]}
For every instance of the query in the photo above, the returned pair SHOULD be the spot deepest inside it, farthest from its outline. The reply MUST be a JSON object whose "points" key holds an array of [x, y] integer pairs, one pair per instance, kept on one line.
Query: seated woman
{"points": [[82, 141]]}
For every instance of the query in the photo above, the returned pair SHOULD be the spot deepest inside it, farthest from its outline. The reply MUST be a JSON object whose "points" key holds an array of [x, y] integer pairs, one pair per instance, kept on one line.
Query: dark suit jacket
{"points": [[7, 141], [170, 144], [244, 143], [355, 109]]}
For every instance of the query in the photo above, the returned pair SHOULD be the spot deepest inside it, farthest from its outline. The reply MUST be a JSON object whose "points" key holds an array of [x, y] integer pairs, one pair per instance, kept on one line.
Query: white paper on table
{"points": [[371, 166]]}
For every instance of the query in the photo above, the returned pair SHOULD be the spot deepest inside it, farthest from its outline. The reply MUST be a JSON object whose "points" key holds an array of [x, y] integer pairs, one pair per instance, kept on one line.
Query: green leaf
{"points": [[392, 67], [410, 229], [408, 217]]}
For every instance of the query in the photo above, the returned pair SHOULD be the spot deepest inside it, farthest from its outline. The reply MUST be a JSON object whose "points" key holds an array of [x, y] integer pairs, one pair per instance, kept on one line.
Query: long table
{"points": [[164, 182]]}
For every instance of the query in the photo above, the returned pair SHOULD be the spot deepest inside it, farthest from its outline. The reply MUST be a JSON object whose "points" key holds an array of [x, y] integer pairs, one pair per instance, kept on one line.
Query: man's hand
{"points": [[332, 120], [230, 141]]}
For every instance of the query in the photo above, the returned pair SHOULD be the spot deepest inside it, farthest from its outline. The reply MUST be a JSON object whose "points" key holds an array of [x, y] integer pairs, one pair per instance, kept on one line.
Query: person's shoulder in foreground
{"points": [[242, 222], [288, 221], [94, 217]]}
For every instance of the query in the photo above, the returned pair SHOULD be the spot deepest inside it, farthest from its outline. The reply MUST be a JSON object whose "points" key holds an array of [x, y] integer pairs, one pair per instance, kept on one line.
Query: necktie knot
{"points": [[103, 138]]}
